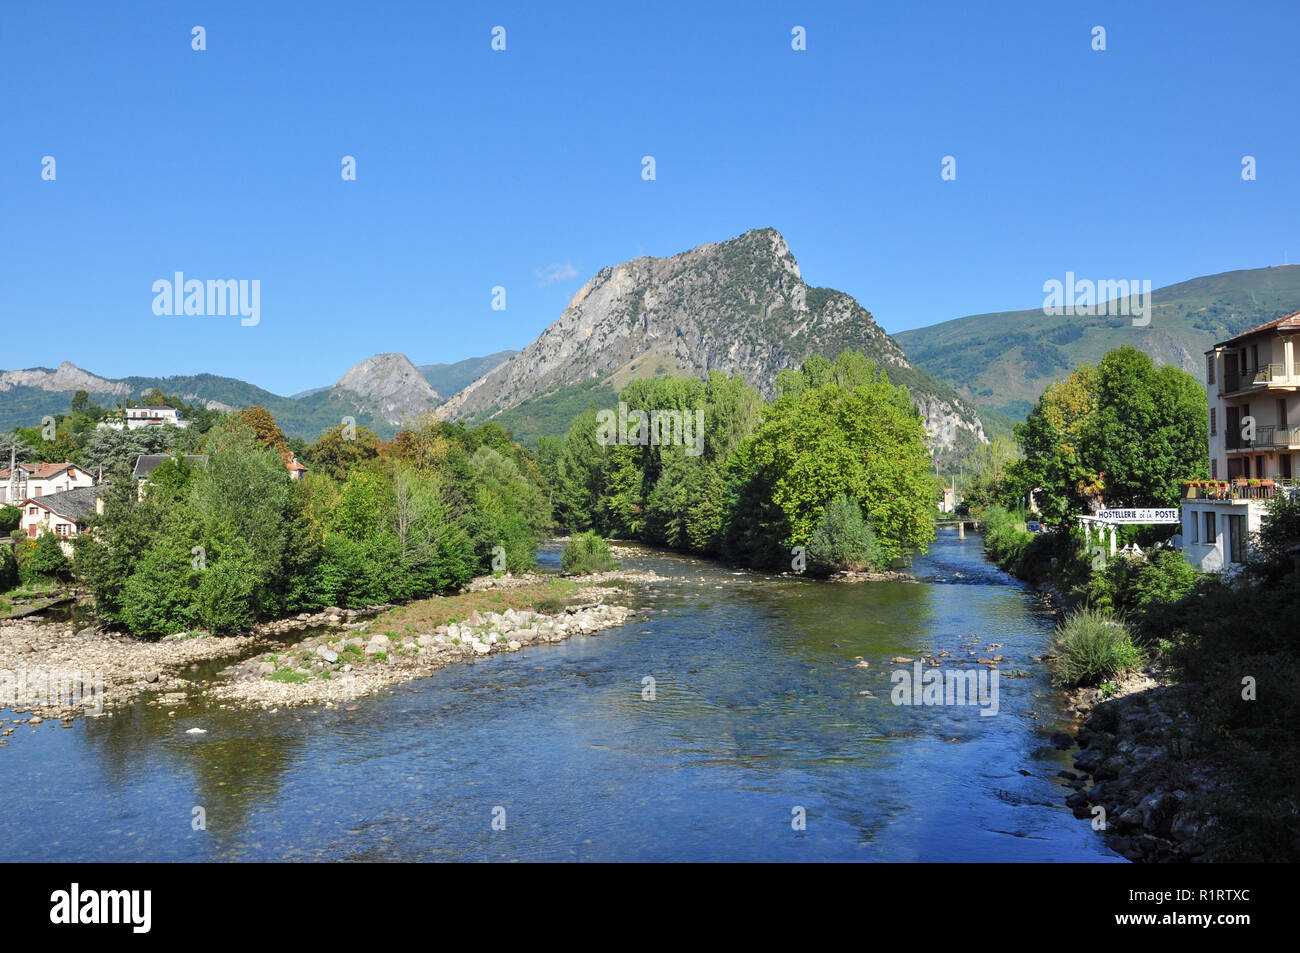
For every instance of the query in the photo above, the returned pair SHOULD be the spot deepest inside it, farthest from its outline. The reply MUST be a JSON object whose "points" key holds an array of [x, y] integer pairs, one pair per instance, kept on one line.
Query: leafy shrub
{"points": [[158, 597], [10, 518], [586, 552], [1004, 540], [844, 540], [1092, 646], [8, 568], [1145, 592], [1279, 530], [42, 560], [225, 598]]}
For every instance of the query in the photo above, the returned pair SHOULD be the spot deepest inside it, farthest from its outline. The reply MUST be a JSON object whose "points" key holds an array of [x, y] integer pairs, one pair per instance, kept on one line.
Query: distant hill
{"points": [[447, 379], [378, 393], [1004, 360]]}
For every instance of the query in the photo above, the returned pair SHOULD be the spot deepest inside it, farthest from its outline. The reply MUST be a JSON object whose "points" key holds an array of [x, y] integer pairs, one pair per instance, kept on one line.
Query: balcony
{"points": [[1266, 438], [1262, 376], [1238, 489]]}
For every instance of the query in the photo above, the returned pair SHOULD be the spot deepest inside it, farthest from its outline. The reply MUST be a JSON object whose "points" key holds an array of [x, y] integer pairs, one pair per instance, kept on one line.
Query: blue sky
{"points": [[478, 168]]}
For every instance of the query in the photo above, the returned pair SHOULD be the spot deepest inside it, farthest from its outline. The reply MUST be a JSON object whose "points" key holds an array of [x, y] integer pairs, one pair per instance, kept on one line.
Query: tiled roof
{"points": [[1288, 322], [40, 471], [146, 463], [73, 504]]}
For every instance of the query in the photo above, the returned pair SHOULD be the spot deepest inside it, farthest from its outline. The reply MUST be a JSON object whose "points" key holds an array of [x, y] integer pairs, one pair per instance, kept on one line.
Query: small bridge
{"points": [[960, 524]]}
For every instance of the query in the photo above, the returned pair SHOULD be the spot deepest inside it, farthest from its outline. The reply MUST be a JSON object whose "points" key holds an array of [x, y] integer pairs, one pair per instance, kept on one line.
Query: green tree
{"points": [[821, 440], [843, 539], [341, 449]]}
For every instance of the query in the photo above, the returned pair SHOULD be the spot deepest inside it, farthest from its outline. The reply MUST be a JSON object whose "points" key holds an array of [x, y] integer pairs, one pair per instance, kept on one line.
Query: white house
{"points": [[137, 418], [1254, 395], [63, 514], [1216, 531], [40, 479]]}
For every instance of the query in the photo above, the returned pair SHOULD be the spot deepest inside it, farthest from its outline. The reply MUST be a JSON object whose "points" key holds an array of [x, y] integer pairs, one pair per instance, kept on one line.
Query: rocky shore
{"points": [[58, 671], [866, 575], [339, 668], [1136, 764]]}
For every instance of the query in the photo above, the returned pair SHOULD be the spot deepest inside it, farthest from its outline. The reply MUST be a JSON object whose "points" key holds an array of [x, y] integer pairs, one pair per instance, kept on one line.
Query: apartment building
{"points": [[1253, 381]]}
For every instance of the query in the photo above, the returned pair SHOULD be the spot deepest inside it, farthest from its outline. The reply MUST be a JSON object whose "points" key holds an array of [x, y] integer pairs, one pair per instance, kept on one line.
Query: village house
{"points": [[63, 514], [1254, 396], [137, 418], [25, 480], [296, 469]]}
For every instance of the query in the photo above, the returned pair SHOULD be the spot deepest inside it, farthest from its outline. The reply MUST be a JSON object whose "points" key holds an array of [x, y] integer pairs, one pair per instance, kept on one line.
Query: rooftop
{"points": [[39, 471], [73, 504], [146, 463], [1288, 322]]}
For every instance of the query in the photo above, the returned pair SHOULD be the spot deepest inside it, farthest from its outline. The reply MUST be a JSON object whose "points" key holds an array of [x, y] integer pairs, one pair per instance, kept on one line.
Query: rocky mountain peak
{"points": [[389, 386], [67, 377], [739, 306]]}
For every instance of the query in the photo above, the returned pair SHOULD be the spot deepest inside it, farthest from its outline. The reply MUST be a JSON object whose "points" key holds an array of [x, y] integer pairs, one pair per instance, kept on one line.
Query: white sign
{"points": [[1139, 516]]}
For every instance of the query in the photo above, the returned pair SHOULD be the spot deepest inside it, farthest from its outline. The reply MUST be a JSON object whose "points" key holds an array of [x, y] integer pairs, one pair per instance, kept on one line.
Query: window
{"points": [[1211, 531], [1284, 466], [1194, 524], [31, 511], [1259, 467], [1214, 469], [1209, 368], [1237, 538], [61, 529], [1281, 413], [1214, 421]]}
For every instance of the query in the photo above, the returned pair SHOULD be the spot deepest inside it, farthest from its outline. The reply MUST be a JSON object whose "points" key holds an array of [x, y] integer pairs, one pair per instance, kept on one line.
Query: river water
{"points": [[756, 744]]}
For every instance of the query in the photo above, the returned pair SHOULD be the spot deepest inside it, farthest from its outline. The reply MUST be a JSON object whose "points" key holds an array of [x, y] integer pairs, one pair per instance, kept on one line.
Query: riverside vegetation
{"points": [[225, 544], [1188, 683]]}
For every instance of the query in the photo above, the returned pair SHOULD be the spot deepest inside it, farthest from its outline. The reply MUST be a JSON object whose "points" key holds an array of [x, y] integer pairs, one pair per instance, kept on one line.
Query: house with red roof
{"points": [[25, 480]]}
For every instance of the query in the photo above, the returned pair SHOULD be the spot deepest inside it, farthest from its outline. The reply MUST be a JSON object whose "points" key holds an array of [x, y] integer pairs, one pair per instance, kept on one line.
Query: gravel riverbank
{"points": [[58, 671]]}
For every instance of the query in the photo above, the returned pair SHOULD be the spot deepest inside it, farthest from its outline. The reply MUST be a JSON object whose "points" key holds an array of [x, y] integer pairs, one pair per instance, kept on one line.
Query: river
{"points": [[756, 744]]}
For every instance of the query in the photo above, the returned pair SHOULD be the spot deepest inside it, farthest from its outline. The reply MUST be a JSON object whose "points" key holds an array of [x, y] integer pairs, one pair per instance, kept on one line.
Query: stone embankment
{"points": [[1137, 769]]}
